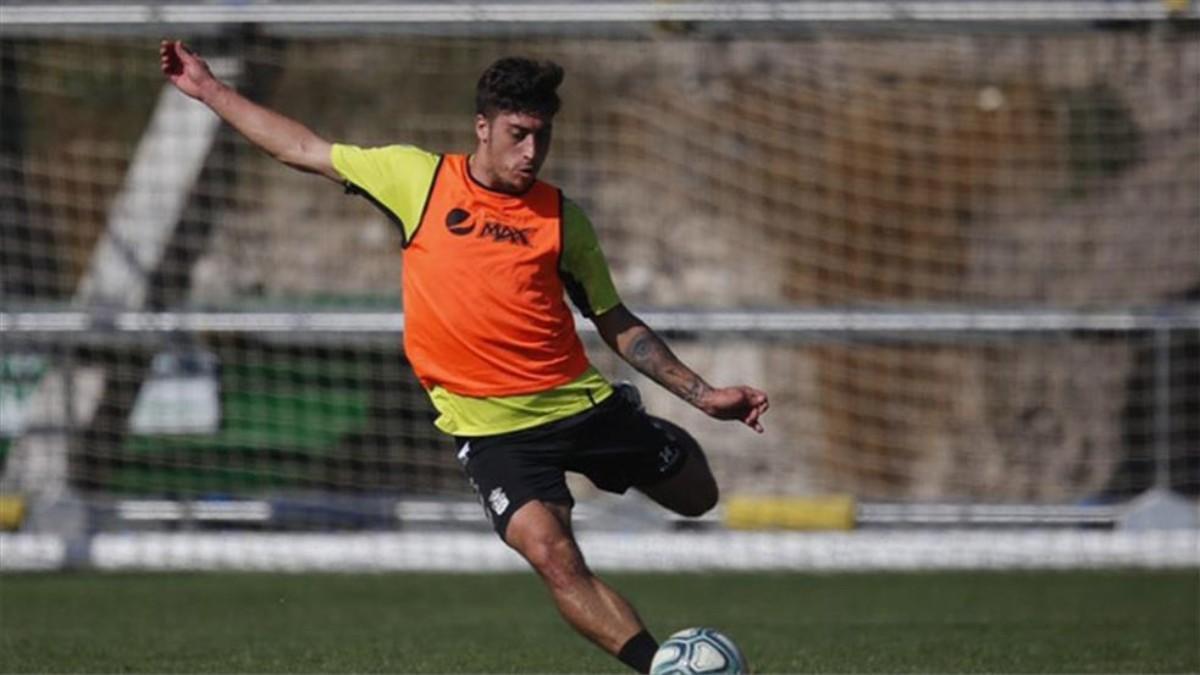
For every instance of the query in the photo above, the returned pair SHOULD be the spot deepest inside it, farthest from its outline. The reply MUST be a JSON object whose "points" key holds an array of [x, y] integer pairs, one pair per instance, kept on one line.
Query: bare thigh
{"points": [[541, 532]]}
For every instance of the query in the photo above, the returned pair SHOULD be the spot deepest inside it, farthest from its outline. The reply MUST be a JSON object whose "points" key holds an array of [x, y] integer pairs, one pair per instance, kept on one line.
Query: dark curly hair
{"points": [[520, 85]]}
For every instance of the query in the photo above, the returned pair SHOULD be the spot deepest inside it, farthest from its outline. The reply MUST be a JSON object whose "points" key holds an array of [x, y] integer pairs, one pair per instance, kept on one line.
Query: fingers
{"points": [[758, 406], [751, 419], [173, 56], [169, 59], [745, 404]]}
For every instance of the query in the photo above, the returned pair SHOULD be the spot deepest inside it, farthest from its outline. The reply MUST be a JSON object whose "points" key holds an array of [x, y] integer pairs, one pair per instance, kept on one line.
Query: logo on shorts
{"points": [[666, 457], [464, 455], [498, 500]]}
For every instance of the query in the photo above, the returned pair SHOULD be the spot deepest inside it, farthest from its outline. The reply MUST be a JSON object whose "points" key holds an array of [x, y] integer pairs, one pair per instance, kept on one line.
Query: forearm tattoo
{"points": [[651, 356]]}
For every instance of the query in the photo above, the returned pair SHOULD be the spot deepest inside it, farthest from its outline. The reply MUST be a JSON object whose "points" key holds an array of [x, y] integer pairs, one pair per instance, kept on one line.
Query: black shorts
{"points": [[615, 444]]}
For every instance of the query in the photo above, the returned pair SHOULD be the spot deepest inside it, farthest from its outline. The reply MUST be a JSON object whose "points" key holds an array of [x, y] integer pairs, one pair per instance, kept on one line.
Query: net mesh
{"points": [[818, 168]]}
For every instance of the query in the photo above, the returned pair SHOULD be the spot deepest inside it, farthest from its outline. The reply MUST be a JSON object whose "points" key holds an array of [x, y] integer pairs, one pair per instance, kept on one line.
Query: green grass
{"points": [[1087, 622]]}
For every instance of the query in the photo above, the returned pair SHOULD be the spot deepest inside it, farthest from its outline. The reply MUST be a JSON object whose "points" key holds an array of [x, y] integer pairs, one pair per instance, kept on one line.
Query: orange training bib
{"points": [[483, 301]]}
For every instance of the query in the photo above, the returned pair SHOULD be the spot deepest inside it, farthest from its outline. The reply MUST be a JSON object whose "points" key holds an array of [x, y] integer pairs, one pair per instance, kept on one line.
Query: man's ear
{"points": [[483, 128]]}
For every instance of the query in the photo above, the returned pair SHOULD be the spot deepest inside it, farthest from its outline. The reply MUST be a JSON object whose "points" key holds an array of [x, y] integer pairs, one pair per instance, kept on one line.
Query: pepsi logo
{"points": [[458, 222]]}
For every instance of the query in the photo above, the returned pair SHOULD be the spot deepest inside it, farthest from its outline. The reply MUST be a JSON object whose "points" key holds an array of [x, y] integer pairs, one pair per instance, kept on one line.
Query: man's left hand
{"points": [[746, 404]]}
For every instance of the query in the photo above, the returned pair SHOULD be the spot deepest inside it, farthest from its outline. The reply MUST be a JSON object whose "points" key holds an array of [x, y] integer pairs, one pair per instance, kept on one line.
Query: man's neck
{"points": [[481, 172]]}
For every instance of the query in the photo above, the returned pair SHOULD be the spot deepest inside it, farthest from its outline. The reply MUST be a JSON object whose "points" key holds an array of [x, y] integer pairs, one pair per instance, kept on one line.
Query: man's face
{"points": [[513, 146]]}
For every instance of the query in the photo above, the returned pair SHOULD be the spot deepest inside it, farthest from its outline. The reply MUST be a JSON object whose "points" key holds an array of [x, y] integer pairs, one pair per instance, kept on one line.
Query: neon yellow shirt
{"points": [[397, 179]]}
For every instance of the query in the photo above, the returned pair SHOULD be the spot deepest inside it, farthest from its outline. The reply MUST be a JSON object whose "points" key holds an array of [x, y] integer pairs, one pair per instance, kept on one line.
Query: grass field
{"points": [[1101, 622]]}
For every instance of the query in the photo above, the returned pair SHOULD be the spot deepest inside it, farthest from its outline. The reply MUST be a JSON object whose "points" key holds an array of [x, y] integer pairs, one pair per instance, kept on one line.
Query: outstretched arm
{"points": [[281, 137], [635, 342]]}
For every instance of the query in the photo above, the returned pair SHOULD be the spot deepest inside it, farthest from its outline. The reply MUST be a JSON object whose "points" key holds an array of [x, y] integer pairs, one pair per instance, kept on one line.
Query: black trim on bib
{"points": [[352, 189], [437, 173], [575, 289]]}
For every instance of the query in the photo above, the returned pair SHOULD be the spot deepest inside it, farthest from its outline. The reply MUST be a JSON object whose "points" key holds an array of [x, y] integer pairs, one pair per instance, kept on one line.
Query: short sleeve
{"points": [[395, 178], [583, 269]]}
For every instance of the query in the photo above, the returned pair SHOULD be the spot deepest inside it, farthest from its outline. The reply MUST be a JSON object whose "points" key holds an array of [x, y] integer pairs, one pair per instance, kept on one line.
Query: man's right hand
{"points": [[280, 137], [184, 69]]}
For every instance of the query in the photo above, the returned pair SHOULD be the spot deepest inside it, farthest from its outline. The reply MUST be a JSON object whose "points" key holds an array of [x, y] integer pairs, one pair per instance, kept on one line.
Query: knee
{"points": [[701, 500], [557, 560]]}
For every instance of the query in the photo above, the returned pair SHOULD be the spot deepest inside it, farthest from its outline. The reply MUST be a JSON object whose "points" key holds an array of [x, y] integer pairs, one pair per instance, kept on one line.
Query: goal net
{"points": [[963, 259]]}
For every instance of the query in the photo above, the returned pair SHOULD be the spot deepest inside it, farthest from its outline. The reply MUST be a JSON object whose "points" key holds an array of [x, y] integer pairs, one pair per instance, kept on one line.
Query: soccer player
{"points": [[489, 252]]}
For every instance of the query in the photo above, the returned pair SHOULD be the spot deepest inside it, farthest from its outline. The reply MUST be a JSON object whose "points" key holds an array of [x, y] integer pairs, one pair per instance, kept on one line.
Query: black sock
{"points": [[639, 651]]}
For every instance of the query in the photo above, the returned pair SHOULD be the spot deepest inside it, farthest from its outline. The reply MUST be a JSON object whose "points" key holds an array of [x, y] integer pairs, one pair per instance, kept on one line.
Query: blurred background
{"points": [[958, 243]]}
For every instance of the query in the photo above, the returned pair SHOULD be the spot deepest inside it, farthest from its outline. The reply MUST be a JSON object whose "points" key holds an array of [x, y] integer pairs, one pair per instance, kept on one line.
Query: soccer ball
{"points": [[695, 651]]}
